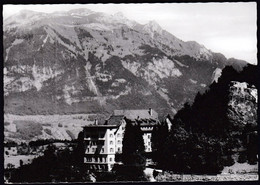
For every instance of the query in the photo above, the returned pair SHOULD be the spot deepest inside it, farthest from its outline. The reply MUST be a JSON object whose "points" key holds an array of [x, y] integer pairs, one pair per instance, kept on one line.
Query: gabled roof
{"points": [[114, 120], [137, 114]]}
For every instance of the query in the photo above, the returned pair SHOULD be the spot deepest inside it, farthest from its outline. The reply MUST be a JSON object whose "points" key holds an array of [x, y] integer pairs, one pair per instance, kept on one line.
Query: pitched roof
{"points": [[137, 114], [114, 120]]}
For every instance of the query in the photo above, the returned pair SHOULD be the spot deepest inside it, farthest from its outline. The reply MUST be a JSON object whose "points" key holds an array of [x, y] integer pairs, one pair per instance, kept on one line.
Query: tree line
{"points": [[203, 138]]}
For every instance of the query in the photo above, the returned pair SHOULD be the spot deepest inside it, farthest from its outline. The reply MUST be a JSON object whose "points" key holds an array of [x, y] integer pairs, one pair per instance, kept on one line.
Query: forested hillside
{"points": [[206, 135]]}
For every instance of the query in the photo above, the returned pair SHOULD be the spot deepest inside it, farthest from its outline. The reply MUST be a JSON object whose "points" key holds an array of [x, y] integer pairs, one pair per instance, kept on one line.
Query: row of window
{"points": [[102, 150], [118, 142], [98, 159]]}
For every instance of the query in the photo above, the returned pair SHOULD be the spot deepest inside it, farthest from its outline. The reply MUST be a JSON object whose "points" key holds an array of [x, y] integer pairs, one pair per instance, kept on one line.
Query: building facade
{"points": [[103, 142]]}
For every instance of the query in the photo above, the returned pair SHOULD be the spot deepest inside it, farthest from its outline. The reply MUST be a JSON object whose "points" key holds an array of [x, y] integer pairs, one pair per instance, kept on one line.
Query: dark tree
{"points": [[133, 145], [159, 137], [133, 157]]}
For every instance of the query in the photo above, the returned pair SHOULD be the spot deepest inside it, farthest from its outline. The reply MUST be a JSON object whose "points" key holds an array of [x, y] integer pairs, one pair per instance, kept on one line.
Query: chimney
{"points": [[150, 111]]}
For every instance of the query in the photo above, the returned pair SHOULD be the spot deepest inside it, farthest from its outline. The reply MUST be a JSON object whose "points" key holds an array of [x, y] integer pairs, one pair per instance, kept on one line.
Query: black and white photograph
{"points": [[130, 92]]}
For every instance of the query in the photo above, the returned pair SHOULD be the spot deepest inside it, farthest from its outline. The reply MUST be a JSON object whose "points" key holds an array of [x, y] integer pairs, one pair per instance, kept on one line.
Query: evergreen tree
{"points": [[133, 157], [159, 135], [133, 145]]}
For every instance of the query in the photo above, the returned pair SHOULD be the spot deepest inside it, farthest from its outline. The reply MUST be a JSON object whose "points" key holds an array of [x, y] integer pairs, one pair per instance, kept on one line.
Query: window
{"points": [[119, 142], [111, 150], [111, 135], [118, 149], [110, 159], [93, 149], [111, 142], [149, 136], [118, 135], [149, 143], [123, 128]]}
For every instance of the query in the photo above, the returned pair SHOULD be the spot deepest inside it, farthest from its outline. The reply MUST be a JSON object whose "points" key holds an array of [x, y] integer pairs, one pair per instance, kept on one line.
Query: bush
{"points": [[129, 173], [228, 161], [242, 157], [155, 173], [105, 177]]}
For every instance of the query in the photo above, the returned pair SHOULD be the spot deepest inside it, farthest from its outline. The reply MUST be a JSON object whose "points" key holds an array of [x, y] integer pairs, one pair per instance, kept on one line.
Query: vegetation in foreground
{"points": [[203, 137]]}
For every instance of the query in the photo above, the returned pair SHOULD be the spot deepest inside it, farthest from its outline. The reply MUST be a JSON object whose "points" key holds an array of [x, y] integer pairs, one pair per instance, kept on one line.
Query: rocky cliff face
{"points": [[82, 61], [243, 103]]}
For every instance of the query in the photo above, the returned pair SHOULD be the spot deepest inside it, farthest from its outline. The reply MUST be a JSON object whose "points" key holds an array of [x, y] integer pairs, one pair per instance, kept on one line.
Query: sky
{"points": [[227, 28]]}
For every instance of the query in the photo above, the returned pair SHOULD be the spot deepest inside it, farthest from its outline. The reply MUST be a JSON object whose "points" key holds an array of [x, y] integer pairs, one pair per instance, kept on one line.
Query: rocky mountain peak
{"points": [[81, 12], [119, 15], [152, 26]]}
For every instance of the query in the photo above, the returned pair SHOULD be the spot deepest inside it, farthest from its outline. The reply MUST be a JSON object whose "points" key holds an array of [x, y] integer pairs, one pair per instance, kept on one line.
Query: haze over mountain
{"points": [[81, 61]]}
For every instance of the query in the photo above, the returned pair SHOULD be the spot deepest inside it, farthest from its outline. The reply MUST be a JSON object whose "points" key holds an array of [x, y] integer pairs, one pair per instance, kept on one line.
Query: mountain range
{"points": [[81, 61]]}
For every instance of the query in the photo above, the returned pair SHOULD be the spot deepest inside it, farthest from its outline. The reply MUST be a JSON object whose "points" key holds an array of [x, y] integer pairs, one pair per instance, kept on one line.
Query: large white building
{"points": [[102, 142]]}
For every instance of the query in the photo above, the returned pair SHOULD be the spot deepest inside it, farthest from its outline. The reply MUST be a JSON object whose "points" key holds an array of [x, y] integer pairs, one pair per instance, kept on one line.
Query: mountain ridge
{"points": [[86, 61]]}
